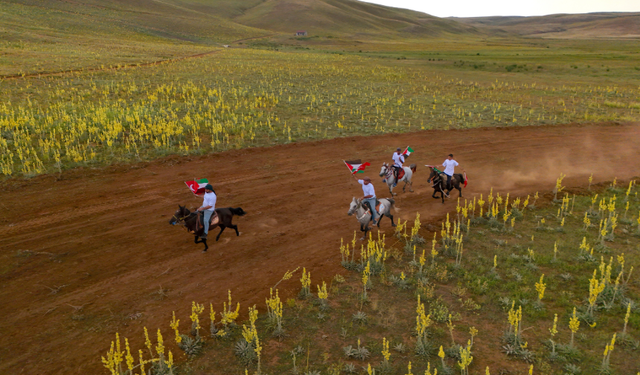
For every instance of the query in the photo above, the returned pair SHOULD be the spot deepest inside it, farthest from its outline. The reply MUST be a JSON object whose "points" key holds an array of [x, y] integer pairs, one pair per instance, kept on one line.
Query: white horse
{"points": [[364, 215], [390, 178]]}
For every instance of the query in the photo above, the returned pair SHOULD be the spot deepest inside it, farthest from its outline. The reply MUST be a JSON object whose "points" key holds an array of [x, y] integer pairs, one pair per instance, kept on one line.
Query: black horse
{"points": [[440, 183], [194, 225]]}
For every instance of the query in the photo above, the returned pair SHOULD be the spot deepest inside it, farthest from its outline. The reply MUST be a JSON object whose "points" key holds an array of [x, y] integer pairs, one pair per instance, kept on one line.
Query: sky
{"points": [[480, 8]]}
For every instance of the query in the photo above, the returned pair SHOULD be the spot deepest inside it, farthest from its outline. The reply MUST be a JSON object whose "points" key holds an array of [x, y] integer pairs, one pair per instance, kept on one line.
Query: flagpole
{"points": [[345, 164]]}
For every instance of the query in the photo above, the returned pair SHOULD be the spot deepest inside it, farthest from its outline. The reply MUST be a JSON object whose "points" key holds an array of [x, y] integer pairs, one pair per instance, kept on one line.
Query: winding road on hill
{"points": [[92, 253]]}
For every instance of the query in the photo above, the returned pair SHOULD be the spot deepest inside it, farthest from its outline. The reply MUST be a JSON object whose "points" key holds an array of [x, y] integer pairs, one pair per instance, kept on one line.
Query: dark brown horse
{"points": [[193, 225], [439, 182]]}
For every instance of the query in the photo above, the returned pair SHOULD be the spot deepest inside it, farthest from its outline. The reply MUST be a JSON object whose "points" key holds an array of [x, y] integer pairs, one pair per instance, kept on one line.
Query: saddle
{"points": [[215, 220], [379, 206], [400, 172], [443, 177]]}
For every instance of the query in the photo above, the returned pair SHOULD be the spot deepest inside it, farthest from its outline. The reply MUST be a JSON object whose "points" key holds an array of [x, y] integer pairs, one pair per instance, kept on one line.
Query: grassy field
{"points": [[506, 283], [261, 96], [94, 83]]}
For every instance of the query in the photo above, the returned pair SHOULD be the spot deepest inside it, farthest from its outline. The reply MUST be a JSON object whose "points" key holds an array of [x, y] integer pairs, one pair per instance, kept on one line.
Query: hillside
{"points": [[39, 36], [346, 17], [574, 26]]}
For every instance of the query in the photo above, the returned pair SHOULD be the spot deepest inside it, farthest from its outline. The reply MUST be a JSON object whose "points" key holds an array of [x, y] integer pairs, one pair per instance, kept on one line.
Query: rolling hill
{"points": [[564, 26], [39, 36]]}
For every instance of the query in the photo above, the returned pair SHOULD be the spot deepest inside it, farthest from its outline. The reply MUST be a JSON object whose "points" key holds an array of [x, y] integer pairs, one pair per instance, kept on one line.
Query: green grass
{"points": [[239, 98]]}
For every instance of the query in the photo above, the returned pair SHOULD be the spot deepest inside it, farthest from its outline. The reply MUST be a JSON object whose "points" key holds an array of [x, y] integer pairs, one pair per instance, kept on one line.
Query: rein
{"points": [[389, 173], [363, 213], [439, 184], [182, 219]]}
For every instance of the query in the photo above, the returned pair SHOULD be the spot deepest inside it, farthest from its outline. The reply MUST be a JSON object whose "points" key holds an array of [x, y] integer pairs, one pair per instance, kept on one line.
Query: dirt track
{"points": [[84, 257]]}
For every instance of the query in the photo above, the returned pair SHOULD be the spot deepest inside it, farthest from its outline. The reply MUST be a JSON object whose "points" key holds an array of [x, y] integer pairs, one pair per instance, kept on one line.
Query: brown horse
{"points": [[440, 183], [190, 221]]}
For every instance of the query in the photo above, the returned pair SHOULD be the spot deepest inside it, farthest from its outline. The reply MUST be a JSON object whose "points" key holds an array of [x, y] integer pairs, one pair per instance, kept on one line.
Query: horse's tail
{"points": [[392, 203], [413, 168], [237, 211], [462, 178]]}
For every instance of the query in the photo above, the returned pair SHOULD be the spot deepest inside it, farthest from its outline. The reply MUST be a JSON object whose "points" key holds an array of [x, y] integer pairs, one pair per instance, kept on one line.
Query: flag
{"points": [[465, 179], [356, 166], [407, 151], [197, 186]]}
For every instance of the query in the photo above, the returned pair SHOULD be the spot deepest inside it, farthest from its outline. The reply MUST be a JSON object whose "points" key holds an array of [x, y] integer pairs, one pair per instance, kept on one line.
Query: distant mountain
{"points": [[207, 21], [345, 17], [573, 26], [134, 25]]}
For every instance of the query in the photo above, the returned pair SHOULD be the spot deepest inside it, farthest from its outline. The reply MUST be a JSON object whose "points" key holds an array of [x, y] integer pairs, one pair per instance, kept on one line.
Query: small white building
{"points": [[301, 33]]}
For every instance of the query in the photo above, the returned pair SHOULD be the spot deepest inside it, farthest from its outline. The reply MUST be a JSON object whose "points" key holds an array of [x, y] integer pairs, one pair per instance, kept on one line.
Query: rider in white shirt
{"points": [[398, 160], [449, 168], [369, 196], [209, 207]]}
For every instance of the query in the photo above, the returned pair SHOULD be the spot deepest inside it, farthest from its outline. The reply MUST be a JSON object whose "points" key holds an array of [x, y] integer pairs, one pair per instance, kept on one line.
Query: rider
{"points": [[369, 196], [209, 207], [398, 160], [449, 166]]}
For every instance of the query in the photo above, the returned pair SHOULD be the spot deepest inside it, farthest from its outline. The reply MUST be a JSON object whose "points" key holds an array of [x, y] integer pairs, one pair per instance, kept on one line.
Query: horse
{"points": [[440, 183], [191, 223], [405, 177], [364, 215]]}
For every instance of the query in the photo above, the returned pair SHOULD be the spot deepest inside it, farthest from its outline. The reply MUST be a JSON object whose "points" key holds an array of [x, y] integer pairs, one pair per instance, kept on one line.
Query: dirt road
{"points": [[93, 253]]}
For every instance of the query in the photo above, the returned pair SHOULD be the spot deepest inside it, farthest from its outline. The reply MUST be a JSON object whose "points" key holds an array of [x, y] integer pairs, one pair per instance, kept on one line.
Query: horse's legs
{"points": [[202, 240], [222, 228], [392, 223], [236, 229]]}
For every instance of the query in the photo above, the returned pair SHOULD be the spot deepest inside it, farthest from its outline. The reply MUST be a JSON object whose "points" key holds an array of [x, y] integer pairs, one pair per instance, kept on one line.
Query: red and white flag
{"points": [[356, 166], [197, 186]]}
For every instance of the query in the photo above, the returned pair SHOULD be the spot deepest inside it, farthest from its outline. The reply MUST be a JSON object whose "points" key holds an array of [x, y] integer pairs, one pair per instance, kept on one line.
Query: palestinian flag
{"points": [[407, 151], [356, 166], [197, 186]]}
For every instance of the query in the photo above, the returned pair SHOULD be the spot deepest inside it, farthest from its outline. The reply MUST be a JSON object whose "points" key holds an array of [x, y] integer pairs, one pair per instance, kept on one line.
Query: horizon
{"points": [[504, 8]]}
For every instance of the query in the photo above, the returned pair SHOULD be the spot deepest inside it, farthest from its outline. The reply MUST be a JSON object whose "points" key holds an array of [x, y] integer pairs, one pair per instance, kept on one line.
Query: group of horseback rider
{"points": [[369, 197], [208, 207]]}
